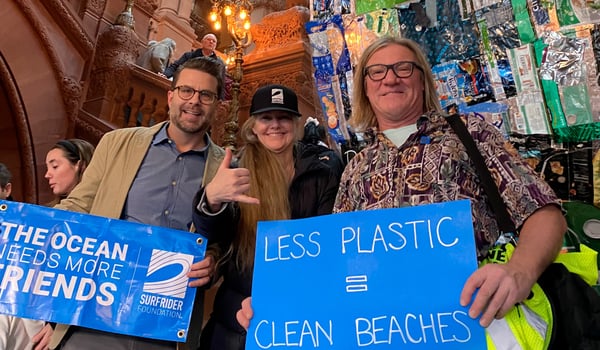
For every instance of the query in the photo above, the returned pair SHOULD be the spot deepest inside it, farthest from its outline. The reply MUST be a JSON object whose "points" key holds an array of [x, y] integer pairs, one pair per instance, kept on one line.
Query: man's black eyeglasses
{"points": [[206, 97], [402, 69]]}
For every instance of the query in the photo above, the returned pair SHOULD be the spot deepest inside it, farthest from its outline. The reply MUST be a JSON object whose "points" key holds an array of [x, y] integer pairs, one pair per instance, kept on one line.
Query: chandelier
{"points": [[236, 12]]}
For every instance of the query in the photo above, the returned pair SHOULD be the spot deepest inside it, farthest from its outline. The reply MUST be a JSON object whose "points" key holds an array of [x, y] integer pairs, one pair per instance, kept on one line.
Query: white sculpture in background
{"points": [[157, 56]]}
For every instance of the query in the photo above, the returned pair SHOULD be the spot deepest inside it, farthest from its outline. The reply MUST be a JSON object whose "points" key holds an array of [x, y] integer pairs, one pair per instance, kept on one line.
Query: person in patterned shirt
{"points": [[415, 158]]}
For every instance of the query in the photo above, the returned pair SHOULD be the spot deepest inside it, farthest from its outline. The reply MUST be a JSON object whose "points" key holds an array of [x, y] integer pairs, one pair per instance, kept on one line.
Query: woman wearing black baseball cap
{"points": [[277, 178]]}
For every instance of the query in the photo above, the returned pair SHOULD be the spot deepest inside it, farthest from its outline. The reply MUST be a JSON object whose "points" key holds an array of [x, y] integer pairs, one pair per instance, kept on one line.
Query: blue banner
{"points": [[95, 272], [381, 279]]}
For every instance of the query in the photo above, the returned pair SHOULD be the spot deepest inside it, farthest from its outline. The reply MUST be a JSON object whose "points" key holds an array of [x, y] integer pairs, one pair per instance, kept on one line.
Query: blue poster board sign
{"points": [[95, 272], [381, 279]]}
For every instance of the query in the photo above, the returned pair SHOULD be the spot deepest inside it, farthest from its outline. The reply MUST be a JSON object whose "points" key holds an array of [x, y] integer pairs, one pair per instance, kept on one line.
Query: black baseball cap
{"points": [[274, 98]]}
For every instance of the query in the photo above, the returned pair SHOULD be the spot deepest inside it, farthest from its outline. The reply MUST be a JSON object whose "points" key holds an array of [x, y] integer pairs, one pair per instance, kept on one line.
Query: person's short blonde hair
{"points": [[363, 116]]}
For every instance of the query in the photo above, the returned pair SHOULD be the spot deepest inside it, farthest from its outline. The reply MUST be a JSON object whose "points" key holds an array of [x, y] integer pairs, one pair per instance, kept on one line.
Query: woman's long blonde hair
{"points": [[269, 183]]}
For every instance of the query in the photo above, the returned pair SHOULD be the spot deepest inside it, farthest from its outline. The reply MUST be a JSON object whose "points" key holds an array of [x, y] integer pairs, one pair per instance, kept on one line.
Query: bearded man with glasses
{"points": [[150, 175]]}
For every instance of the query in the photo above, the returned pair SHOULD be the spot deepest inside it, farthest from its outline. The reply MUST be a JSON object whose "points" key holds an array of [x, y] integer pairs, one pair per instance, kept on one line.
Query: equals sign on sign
{"points": [[356, 283]]}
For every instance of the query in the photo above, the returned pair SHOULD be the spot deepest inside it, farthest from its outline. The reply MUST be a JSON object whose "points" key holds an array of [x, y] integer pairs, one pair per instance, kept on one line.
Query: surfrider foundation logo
{"points": [[167, 272]]}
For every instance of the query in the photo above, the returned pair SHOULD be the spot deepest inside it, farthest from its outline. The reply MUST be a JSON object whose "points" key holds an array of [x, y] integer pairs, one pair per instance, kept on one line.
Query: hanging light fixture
{"points": [[236, 13]]}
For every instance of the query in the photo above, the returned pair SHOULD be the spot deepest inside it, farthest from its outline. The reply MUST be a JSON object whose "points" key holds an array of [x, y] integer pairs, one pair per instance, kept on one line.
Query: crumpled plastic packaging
{"points": [[563, 59]]}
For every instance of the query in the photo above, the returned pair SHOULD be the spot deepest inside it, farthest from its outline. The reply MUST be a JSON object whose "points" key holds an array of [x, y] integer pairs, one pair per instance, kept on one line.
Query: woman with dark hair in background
{"points": [[66, 161]]}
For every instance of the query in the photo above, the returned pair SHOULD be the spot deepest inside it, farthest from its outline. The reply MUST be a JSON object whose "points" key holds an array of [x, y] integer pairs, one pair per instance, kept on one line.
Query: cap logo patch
{"points": [[277, 96]]}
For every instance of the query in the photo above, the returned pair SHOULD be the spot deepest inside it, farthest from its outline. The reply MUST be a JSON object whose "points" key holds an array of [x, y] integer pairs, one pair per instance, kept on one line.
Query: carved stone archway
{"points": [[16, 144]]}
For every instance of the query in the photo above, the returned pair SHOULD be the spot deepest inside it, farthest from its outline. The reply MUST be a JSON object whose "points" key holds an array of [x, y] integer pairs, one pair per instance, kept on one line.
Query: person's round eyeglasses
{"points": [[206, 97], [402, 69]]}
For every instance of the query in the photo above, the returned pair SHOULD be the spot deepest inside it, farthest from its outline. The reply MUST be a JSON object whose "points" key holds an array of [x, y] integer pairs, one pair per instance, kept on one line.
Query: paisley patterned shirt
{"points": [[433, 166]]}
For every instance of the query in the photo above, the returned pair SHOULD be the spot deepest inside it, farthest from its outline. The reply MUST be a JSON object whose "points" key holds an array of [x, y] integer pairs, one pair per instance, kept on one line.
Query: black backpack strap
{"points": [[505, 222]]}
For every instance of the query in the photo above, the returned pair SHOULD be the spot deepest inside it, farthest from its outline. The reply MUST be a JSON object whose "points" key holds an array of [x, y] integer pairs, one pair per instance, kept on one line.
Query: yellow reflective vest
{"points": [[528, 325]]}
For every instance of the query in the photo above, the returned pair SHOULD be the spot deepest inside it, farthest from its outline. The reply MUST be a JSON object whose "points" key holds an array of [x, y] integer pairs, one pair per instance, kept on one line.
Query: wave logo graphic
{"points": [[167, 273]]}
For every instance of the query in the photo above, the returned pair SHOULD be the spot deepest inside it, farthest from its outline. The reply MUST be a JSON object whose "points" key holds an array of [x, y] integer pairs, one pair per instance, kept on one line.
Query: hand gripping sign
{"points": [[95, 272]]}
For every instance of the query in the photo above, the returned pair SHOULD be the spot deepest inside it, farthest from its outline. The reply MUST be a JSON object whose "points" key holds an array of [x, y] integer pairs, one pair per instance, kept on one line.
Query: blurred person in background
{"points": [[315, 134], [209, 45], [5, 182]]}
